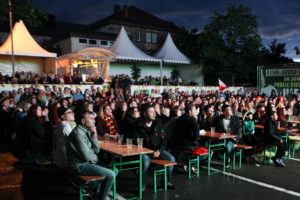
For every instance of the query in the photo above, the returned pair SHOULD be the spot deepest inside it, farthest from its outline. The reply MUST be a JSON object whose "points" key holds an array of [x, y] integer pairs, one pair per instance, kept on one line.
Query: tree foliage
{"points": [[22, 9], [135, 72], [274, 54], [230, 45]]}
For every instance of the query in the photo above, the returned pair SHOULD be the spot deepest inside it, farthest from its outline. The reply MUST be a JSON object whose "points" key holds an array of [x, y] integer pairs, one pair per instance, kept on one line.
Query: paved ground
{"points": [[249, 182]]}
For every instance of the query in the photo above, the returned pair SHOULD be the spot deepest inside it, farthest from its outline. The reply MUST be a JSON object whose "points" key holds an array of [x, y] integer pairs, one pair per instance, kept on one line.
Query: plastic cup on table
{"points": [[212, 130], [129, 143], [120, 139], [140, 142]]}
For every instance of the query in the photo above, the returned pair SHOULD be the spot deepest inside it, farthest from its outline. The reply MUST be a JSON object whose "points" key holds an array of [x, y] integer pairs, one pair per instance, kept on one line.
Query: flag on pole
{"points": [[222, 86]]}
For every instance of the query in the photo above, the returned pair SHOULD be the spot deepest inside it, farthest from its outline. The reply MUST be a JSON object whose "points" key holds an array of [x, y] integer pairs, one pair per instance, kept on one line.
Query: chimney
{"points": [[117, 9], [125, 11]]}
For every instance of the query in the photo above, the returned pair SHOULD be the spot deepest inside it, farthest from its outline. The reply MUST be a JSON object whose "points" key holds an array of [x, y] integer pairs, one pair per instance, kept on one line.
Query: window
{"points": [[83, 41], [138, 36], [104, 42], [92, 41], [154, 37], [148, 37]]}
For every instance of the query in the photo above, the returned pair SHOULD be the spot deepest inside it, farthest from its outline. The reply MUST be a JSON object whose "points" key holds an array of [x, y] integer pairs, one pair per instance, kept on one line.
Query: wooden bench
{"points": [[292, 145], [164, 164], [194, 158], [88, 179], [238, 152]]}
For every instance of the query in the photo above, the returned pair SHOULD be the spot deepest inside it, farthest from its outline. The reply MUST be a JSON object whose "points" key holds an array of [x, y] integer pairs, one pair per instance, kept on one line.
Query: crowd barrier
{"points": [[137, 88], [10, 87], [189, 89]]}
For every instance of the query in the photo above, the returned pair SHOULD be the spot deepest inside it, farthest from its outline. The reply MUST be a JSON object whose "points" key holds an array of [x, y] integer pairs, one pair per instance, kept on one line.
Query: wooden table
{"points": [[294, 122], [258, 126], [216, 147], [121, 150]]}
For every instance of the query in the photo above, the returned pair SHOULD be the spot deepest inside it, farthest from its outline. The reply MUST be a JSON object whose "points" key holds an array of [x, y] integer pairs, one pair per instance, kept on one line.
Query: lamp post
{"points": [[12, 41]]}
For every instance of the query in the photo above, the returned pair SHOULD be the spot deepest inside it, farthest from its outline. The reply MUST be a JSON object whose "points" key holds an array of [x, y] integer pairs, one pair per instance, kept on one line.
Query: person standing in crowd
{"points": [[61, 133], [153, 133], [83, 148], [273, 137], [248, 135]]}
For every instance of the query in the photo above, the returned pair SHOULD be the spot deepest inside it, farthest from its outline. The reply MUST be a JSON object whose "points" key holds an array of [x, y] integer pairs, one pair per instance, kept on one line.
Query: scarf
{"points": [[110, 124]]}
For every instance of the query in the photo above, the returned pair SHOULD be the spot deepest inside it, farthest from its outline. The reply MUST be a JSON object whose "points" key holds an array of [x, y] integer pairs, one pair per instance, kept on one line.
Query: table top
{"points": [[217, 135], [114, 147], [295, 122], [296, 134], [259, 126]]}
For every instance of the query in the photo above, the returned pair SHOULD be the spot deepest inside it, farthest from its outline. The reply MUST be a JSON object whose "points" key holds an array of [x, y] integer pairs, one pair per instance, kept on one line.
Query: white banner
{"points": [[188, 89]]}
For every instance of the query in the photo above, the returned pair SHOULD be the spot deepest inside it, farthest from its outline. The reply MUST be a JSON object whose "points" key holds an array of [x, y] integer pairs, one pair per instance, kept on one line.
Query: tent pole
{"points": [[161, 78], [12, 43]]}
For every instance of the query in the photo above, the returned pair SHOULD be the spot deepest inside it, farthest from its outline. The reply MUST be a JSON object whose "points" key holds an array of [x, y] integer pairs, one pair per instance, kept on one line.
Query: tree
{"points": [[135, 72], [22, 9], [275, 54], [230, 46], [297, 50]]}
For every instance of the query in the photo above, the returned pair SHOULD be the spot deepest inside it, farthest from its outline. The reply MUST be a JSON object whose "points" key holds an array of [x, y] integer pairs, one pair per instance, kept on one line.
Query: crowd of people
{"points": [[120, 80], [62, 125]]}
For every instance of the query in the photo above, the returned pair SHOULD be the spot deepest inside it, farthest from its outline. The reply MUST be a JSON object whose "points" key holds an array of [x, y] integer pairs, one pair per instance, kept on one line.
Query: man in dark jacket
{"points": [[154, 136], [273, 137], [187, 128], [228, 123]]}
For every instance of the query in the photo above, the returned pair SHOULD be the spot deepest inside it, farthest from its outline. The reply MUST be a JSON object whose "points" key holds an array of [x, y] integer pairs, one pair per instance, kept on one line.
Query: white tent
{"points": [[169, 53], [126, 50], [29, 55]]}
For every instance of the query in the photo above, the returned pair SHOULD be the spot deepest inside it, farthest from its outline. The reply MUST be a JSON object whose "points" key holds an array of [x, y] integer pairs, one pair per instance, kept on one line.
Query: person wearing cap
{"points": [[228, 123], [61, 133]]}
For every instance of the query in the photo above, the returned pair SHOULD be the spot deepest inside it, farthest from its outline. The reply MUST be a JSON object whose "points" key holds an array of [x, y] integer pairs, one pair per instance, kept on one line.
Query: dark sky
{"points": [[277, 19]]}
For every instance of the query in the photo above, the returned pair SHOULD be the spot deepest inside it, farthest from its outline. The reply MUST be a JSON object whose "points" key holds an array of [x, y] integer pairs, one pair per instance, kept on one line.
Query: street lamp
{"points": [[12, 42]]}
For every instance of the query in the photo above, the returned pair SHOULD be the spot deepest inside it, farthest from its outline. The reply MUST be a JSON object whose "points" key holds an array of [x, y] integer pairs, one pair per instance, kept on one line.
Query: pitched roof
{"points": [[126, 50], [170, 53], [24, 44], [137, 17]]}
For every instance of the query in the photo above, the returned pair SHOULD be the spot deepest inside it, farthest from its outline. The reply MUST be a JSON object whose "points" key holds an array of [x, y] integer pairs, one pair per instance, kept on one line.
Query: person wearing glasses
{"points": [[61, 133]]}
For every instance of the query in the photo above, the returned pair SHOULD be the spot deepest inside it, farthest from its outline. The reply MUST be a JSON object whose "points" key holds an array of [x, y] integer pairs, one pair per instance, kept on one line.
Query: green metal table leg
{"points": [[208, 170], [224, 162], [198, 165], [155, 186], [189, 157], [240, 158], [115, 182], [141, 176], [80, 192], [165, 176]]}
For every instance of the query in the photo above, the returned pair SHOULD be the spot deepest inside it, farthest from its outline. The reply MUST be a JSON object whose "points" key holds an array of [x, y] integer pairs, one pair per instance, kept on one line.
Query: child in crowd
{"points": [[248, 130]]}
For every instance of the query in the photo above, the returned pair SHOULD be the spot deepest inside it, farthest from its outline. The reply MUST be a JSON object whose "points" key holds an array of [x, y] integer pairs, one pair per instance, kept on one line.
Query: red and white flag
{"points": [[222, 86]]}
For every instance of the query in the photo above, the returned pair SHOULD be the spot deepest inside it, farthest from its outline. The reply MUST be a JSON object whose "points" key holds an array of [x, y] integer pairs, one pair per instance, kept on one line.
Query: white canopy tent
{"points": [[126, 50], [169, 53], [29, 55]]}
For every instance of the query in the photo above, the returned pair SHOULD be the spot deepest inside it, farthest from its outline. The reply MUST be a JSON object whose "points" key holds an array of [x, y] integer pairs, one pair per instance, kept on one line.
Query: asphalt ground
{"points": [[250, 182]]}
